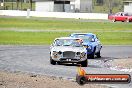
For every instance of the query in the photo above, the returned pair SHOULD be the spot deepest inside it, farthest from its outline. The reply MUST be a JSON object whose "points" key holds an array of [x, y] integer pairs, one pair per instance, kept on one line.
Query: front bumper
{"points": [[69, 60]]}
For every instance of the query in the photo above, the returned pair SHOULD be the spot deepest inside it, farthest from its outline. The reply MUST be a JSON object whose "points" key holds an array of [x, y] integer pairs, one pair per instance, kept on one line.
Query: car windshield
{"points": [[68, 42], [86, 38]]}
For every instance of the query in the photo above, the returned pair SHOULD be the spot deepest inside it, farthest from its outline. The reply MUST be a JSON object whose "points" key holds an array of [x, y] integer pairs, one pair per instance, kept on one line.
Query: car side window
{"points": [[121, 14], [126, 14]]}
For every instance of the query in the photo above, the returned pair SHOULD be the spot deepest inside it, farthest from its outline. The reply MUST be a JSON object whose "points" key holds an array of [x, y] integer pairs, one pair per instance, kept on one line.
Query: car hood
{"points": [[68, 48]]}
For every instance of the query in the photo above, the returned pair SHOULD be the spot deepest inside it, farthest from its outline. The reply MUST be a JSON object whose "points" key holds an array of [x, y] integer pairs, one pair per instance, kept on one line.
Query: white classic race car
{"points": [[68, 50]]}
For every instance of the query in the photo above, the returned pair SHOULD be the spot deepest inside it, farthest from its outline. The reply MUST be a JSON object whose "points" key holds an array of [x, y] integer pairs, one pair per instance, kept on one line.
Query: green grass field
{"points": [[62, 24], [109, 33]]}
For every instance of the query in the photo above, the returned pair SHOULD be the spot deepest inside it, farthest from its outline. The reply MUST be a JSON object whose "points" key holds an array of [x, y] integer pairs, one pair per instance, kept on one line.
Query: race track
{"points": [[35, 59]]}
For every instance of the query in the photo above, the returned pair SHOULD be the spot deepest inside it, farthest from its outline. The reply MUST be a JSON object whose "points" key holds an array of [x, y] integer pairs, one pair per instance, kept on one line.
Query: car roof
{"points": [[124, 12], [82, 34], [67, 38]]}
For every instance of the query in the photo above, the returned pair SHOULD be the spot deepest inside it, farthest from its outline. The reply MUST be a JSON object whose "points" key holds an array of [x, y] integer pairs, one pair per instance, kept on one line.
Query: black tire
{"points": [[52, 61], [98, 55], [84, 63], [127, 20], [93, 54], [59, 63]]}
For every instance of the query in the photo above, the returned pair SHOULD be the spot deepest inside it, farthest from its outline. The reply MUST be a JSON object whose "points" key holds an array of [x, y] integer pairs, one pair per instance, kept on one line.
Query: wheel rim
{"points": [[127, 20]]}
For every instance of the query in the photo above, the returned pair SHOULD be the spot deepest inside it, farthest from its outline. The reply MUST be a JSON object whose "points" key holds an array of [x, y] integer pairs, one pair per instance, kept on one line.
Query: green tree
{"points": [[17, 1], [99, 2]]}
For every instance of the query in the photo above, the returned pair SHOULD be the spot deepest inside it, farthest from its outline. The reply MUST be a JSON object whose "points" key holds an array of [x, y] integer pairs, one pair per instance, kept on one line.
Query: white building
{"points": [[128, 6], [63, 5]]}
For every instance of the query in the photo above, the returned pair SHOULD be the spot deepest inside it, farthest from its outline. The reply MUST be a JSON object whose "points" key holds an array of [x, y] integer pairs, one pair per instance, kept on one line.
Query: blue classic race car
{"points": [[91, 42]]}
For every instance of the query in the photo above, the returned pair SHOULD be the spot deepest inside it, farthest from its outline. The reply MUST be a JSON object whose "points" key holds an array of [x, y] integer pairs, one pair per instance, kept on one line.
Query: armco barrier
{"points": [[55, 14]]}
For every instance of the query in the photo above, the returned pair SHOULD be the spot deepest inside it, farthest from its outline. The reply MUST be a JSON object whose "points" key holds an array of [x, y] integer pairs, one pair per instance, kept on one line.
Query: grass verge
{"points": [[109, 33], [42, 38], [62, 24]]}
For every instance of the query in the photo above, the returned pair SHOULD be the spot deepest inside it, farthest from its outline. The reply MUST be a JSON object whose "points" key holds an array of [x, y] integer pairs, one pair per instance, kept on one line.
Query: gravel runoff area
{"points": [[26, 80], [23, 80], [124, 63]]}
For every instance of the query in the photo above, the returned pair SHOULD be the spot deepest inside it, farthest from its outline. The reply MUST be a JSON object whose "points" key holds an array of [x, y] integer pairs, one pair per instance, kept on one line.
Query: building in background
{"points": [[128, 6], [63, 5]]}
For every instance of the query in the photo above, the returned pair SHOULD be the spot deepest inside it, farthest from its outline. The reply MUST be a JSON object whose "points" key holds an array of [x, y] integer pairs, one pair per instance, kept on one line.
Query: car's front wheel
{"points": [[113, 20], [52, 61], [98, 55], [84, 63], [127, 20], [91, 56]]}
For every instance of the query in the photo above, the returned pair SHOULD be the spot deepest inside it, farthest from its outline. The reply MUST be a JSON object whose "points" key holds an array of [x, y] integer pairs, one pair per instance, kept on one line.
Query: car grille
{"points": [[69, 54]]}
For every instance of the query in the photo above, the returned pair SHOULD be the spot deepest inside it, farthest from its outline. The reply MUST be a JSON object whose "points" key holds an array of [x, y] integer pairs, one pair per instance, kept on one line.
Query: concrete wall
{"points": [[85, 5], [58, 7], [46, 6], [50, 6], [77, 5], [62, 8], [55, 14]]}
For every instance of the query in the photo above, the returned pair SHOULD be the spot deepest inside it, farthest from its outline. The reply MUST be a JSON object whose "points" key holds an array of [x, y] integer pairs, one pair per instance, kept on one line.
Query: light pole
{"points": [[21, 4]]}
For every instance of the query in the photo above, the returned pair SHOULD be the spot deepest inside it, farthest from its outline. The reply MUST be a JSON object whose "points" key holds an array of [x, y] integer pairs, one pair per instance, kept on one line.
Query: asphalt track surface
{"points": [[35, 59]]}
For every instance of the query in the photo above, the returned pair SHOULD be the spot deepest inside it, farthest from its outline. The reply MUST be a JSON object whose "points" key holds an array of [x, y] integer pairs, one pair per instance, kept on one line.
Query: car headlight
{"points": [[85, 46], [59, 52], [78, 53], [89, 47], [55, 54], [83, 54]]}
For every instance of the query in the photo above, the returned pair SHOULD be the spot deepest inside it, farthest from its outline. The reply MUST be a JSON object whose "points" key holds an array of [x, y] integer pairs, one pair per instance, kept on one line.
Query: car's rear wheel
{"points": [[52, 61], [84, 63]]}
